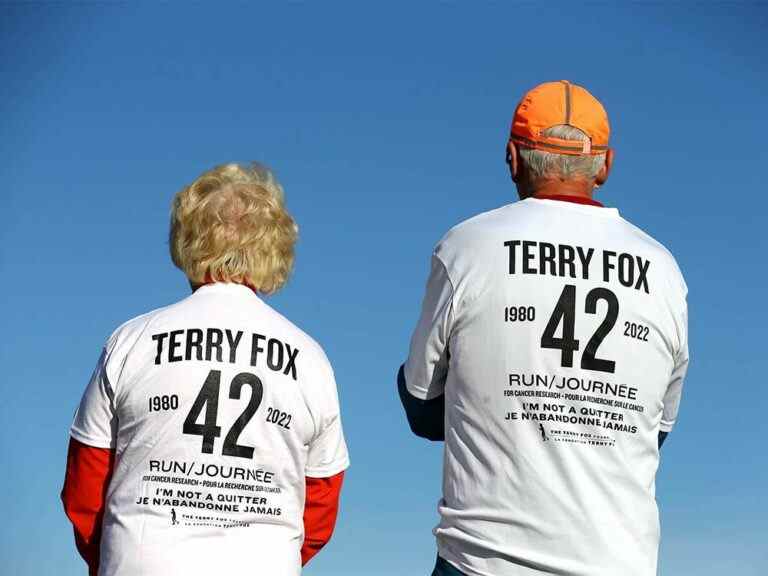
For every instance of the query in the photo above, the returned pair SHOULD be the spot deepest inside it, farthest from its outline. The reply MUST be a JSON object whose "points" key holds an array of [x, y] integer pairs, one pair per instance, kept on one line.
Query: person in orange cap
{"points": [[549, 357]]}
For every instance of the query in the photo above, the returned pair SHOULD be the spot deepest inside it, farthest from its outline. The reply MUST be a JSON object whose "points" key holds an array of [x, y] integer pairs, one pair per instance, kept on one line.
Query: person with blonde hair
{"points": [[209, 439]]}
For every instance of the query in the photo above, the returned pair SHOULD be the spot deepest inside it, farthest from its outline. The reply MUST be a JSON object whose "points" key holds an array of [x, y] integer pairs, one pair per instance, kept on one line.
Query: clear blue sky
{"points": [[386, 125]]}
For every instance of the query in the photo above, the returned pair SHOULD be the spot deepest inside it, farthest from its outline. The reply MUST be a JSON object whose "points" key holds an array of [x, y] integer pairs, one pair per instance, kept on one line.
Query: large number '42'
{"points": [[565, 311], [208, 399]]}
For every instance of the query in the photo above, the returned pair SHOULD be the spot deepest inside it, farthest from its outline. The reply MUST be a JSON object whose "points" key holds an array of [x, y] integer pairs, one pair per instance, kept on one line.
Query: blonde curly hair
{"points": [[231, 225]]}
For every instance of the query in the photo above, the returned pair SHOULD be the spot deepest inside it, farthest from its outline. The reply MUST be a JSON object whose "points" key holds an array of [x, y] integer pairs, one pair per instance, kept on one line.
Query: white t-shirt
{"points": [[558, 334], [217, 407]]}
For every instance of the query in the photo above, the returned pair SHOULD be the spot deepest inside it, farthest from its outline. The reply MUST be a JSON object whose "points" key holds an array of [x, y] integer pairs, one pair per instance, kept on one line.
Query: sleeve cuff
{"points": [[327, 471], [89, 440], [426, 418], [666, 426]]}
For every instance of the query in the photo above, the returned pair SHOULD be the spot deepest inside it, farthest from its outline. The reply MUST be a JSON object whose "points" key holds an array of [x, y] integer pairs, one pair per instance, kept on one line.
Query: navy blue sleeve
{"points": [[425, 417]]}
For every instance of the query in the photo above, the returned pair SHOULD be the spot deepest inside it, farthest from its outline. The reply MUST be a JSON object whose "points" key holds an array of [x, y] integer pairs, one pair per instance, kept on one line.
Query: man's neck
{"points": [[557, 187]]}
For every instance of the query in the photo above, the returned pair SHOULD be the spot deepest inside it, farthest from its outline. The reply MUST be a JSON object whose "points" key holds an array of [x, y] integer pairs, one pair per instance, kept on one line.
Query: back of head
{"points": [[560, 132], [231, 225], [543, 164]]}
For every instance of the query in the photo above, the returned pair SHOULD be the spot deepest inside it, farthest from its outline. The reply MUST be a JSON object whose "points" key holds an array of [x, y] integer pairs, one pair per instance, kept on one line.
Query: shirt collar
{"points": [[574, 199], [226, 286]]}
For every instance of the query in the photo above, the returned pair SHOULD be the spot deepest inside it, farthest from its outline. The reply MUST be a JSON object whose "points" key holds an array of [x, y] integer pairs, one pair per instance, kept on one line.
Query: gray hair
{"points": [[542, 164]]}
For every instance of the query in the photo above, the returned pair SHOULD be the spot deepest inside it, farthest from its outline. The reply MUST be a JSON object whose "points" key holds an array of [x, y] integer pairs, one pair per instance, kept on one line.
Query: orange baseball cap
{"points": [[554, 103]]}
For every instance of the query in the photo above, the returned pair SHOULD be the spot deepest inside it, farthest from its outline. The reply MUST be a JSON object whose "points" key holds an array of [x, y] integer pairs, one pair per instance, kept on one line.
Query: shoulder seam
{"points": [[147, 322], [447, 274]]}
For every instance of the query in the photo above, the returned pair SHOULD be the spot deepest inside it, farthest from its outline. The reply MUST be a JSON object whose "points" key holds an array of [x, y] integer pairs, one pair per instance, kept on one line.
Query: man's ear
{"points": [[513, 161], [602, 176]]}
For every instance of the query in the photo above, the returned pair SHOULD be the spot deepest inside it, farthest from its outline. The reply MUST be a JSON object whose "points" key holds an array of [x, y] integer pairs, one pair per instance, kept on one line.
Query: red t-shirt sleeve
{"points": [[88, 473], [321, 507]]}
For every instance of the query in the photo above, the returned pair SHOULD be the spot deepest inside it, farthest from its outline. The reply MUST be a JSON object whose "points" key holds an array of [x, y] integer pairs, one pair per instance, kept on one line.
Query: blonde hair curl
{"points": [[231, 225]]}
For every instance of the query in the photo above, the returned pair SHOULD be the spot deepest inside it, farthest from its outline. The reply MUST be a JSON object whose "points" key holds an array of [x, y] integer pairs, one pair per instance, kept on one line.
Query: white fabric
{"points": [[160, 470], [535, 489]]}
